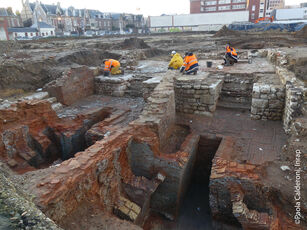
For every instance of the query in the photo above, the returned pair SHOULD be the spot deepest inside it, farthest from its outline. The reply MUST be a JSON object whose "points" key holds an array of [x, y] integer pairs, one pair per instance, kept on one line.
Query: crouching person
{"points": [[176, 61], [231, 56], [111, 66], [190, 64]]}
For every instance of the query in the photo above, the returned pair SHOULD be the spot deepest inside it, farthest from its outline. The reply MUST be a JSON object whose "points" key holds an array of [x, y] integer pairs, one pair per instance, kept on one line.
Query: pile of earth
{"points": [[302, 33], [134, 43], [224, 31]]}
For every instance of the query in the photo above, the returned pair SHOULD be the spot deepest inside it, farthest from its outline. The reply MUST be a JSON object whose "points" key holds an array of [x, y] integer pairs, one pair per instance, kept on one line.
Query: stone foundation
{"points": [[149, 86], [267, 102], [293, 106], [112, 86], [197, 94], [237, 91]]}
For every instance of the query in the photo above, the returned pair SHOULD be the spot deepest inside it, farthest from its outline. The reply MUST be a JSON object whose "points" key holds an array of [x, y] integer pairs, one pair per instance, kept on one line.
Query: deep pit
{"points": [[152, 149], [193, 209]]}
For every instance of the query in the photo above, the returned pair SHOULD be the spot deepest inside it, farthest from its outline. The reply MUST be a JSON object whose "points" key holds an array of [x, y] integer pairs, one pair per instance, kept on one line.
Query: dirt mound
{"points": [[224, 31], [302, 33], [134, 43]]}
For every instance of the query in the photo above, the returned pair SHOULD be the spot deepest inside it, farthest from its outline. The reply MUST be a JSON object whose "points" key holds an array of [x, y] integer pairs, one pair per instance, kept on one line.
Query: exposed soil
{"points": [[182, 171], [224, 31]]}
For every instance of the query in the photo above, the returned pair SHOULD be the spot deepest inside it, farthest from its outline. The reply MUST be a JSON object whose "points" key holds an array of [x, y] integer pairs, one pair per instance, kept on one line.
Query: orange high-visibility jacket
{"points": [[231, 51], [110, 63], [189, 61]]}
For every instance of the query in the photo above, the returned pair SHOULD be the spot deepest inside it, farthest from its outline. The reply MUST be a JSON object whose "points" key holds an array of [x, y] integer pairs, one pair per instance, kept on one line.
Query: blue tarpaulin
{"points": [[291, 27]]}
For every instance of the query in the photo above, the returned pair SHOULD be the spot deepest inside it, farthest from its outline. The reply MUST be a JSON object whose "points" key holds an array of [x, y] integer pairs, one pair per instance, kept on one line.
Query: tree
{"points": [[17, 13], [10, 10]]}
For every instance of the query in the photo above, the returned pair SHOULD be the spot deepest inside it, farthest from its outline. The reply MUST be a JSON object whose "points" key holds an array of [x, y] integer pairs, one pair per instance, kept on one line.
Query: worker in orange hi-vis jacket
{"points": [[111, 65], [231, 56], [190, 64]]}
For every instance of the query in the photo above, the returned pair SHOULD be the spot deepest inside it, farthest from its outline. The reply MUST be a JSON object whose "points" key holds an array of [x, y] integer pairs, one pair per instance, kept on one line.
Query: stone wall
{"points": [[267, 101], [113, 85], [160, 112], [237, 91], [119, 86], [135, 86], [197, 94], [75, 84], [295, 92], [149, 86], [294, 104]]}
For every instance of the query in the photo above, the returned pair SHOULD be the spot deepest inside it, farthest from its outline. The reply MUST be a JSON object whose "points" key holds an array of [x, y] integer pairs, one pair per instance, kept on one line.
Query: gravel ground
{"points": [[17, 211]]}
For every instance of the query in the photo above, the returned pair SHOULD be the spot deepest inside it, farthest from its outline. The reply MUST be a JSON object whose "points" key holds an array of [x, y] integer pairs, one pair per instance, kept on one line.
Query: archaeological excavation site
{"points": [[151, 148]]}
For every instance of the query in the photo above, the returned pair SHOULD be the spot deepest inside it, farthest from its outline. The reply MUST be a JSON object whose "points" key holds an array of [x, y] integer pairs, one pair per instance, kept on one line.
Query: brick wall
{"points": [[195, 6], [75, 84]]}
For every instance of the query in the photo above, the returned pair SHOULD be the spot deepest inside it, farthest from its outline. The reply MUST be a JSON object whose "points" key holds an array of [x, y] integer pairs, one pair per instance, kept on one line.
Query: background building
{"points": [[256, 8], [213, 6], [7, 19], [272, 5], [71, 19]]}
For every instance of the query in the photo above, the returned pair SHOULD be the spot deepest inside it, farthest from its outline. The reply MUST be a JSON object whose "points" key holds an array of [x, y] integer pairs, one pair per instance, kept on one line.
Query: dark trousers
{"points": [[194, 68], [230, 59]]}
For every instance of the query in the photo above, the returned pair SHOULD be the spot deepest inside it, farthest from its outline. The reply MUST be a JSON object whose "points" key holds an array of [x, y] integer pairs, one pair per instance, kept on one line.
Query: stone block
{"points": [[265, 89], [212, 108], [259, 103], [276, 104], [207, 99]]}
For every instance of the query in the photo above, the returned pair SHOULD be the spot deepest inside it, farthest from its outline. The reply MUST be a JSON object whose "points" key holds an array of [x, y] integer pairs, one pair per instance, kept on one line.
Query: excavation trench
{"points": [[64, 144], [193, 208]]}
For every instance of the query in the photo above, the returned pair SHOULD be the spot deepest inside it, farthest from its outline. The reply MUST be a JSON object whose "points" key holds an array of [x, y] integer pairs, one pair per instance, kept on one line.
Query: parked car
{"points": [[89, 33], [23, 38]]}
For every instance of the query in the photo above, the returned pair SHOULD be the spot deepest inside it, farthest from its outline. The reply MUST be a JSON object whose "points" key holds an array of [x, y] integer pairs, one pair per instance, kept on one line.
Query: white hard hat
{"points": [[173, 52]]}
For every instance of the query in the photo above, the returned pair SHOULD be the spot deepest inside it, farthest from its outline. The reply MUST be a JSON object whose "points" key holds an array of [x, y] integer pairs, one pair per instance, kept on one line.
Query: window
{"points": [[210, 3], [241, 6], [43, 34], [253, 8], [46, 33], [253, 16], [224, 7], [31, 34], [202, 3], [16, 34], [261, 10], [224, 2], [238, 1], [202, 8], [26, 34], [212, 8]]}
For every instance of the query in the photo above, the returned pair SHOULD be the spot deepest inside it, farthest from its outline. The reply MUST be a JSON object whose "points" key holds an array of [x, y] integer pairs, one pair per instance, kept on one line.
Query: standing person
{"points": [[111, 65], [190, 64], [176, 61], [231, 56]]}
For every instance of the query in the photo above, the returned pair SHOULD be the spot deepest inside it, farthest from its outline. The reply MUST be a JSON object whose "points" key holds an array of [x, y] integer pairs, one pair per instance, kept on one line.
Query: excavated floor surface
{"points": [[134, 106], [257, 141]]}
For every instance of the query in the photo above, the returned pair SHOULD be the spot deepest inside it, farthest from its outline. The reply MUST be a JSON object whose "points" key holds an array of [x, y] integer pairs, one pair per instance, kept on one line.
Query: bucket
{"points": [[209, 64]]}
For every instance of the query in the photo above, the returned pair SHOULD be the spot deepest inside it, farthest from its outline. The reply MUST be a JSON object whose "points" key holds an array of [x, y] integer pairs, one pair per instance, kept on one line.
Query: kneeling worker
{"points": [[176, 61], [190, 64], [231, 56], [111, 65]]}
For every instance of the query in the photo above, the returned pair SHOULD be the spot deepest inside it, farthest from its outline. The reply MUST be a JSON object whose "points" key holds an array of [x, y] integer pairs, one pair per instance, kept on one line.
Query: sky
{"points": [[145, 7]]}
